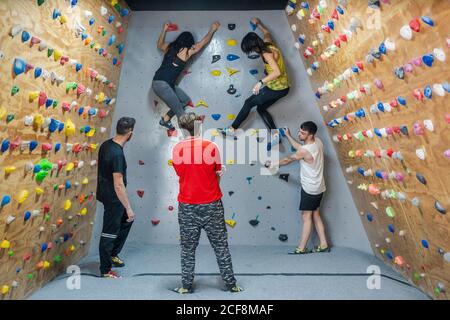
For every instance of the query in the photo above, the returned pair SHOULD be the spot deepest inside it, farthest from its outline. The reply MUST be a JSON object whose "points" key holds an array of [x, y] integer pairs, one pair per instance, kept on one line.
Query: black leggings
{"points": [[262, 101]]}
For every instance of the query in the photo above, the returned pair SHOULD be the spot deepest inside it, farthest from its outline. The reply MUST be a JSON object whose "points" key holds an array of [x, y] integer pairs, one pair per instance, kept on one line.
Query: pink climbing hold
{"points": [[141, 163], [170, 208], [42, 98], [155, 222]]}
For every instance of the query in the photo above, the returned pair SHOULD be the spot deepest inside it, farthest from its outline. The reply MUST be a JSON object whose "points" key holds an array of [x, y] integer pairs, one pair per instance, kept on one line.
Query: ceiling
{"points": [[205, 5]]}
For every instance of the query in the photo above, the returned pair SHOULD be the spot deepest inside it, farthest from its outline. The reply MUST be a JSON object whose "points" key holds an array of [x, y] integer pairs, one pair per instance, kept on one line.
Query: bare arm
{"points": [[121, 192], [266, 34], [292, 141], [162, 44], [206, 39], [269, 57]]}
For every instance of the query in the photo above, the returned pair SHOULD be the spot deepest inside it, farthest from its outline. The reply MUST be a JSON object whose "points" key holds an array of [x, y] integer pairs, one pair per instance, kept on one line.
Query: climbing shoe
{"points": [[319, 249], [111, 275], [236, 289], [117, 262], [167, 124], [275, 140], [182, 290], [300, 251]]}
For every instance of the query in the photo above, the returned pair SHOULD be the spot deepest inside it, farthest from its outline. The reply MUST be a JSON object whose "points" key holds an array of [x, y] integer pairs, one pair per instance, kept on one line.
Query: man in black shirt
{"points": [[111, 191]]}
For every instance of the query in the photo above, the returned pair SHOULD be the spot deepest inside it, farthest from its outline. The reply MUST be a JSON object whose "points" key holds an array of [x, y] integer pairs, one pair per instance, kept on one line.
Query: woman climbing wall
{"points": [[176, 55], [268, 90]]}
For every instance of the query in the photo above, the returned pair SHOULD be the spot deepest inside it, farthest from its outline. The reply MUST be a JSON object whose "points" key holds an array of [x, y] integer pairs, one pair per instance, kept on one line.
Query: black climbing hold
{"points": [[215, 58], [260, 139], [284, 176], [268, 207], [272, 228], [231, 89], [230, 193], [439, 208], [253, 56], [259, 198], [231, 26], [404, 130], [254, 222], [421, 178], [283, 237]]}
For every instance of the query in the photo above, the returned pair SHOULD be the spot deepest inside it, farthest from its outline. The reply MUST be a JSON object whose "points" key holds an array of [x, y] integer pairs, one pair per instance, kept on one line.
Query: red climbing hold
{"points": [[155, 222], [141, 163], [335, 15], [172, 27], [46, 208], [415, 24], [337, 42], [190, 104], [170, 208], [343, 37], [140, 193], [360, 65]]}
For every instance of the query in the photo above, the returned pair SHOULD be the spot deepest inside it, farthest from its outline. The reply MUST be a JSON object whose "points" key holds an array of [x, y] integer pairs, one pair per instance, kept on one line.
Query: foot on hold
{"points": [[182, 290], [167, 124], [226, 131], [235, 289], [321, 249], [300, 251], [117, 262], [111, 275]]}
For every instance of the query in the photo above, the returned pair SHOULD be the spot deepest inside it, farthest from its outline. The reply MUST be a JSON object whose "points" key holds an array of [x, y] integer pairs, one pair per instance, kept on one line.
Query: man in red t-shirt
{"points": [[198, 165]]}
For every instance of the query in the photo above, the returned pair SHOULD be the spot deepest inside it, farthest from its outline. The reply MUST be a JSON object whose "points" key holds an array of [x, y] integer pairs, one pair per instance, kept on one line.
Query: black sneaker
{"points": [[167, 124]]}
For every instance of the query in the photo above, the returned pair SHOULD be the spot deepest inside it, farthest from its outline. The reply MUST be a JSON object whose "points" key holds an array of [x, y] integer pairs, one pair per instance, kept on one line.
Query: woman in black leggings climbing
{"points": [[176, 55], [268, 90]]}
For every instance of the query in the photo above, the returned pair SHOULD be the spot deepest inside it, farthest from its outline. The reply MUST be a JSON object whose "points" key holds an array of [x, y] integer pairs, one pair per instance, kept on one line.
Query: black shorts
{"points": [[310, 202]]}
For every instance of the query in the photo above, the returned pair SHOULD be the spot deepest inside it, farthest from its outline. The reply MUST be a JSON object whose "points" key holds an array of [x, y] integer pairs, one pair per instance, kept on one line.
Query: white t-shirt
{"points": [[311, 174]]}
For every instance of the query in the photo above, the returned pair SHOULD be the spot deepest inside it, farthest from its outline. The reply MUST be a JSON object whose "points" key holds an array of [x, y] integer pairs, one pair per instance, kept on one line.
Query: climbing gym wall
{"points": [[248, 196], [379, 72], [60, 65]]}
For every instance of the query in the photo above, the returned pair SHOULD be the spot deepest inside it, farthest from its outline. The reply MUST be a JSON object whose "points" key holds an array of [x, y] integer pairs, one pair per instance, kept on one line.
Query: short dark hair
{"points": [[187, 122], [125, 125], [309, 126]]}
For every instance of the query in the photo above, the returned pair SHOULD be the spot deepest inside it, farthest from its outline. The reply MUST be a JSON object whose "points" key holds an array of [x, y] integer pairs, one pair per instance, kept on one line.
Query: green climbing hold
{"points": [[92, 44], [117, 7], [30, 276], [390, 212], [40, 2], [9, 118], [47, 217], [10, 253], [14, 90], [103, 33], [71, 85], [55, 103], [41, 175], [57, 259], [45, 165], [49, 52], [437, 290], [55, 187]]}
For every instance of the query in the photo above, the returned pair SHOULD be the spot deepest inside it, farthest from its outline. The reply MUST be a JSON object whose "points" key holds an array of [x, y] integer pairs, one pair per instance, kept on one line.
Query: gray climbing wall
{"points": [[251, 198]]}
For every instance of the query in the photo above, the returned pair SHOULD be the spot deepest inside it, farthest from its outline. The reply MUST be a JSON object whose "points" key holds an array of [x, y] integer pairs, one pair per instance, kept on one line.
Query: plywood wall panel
{"points": [[426, 268]]}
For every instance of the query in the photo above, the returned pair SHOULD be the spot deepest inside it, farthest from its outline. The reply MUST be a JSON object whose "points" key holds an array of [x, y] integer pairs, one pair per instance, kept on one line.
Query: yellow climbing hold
{"points": [[351, 154], [57, 55], [85, 181], [10, 169], [230, 162], [72, 248], [33, 95], [5, 244], [70, 166], [215, 133], [231, 42], [100, 97], [38, 120], [39, 190], [202, 103], [231, 116], [2, 113], [230, 222], [93, 146], [231, 71], [113, 2], [69, 128], [62, 19], [170, 162], [67, 205], [46, 264], [5, 289], [23, 195], [216, 73], [83, 211], [90, 133], [253, 131]]}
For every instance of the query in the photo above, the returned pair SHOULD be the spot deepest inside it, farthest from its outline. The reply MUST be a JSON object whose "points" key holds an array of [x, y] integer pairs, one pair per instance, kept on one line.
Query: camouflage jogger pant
{"points": [[210, 217]]}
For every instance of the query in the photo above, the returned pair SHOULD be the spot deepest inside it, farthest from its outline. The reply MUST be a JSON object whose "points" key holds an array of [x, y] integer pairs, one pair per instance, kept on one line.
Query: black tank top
{"points": [[170, 69]]}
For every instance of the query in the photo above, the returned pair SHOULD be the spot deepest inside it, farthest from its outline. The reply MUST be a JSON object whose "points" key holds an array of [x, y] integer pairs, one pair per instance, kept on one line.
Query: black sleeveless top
{"points": [[168, 72]]}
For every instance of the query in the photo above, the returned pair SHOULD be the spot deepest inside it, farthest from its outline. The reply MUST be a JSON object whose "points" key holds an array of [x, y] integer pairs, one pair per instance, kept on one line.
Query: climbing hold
{"points": [[216, 73], [202, 103], [439, 207], [400, 72], [5, 244], [425, 244], [231, 42], [421, 178], [231, 71], [215, 116], [253, 72], [428, 60], [232, 57], [414, 24], [254, 222], [140, 193], [283, 237], [427, 20], [231, 89], [253, 56], [25, 36], [231, 116], [406, 32], [69, 128], [231, 26], [215, 58], [284, 176], [19, 66], [14, 90], [439, 54]]}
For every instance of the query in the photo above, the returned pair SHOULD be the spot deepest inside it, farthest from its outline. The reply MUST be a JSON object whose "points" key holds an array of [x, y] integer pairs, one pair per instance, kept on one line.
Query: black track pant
{"points": [[114, 233], [210, 217], [263, 100]]}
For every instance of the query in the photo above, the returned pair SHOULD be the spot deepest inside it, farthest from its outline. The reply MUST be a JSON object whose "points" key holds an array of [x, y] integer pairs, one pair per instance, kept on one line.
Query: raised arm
{"points": [[206, 39], [266, 34], [162, 44], [292, 141]]}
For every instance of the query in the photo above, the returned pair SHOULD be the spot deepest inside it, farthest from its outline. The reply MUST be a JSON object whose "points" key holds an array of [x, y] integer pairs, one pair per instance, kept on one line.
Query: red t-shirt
{"points": [[196, 162]]}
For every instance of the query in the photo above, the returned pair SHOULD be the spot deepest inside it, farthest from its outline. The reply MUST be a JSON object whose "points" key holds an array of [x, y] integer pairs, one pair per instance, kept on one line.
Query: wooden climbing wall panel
{"points": [[397, 210], [71, 50]]}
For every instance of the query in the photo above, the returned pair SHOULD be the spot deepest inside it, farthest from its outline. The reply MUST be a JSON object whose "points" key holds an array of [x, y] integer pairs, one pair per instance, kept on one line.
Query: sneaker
{"points": [[275, 140], [236, 289], [167, 124], [117, 262], [226, 131], [300, 251], [319, 249], [182, 290], [111, 274]]}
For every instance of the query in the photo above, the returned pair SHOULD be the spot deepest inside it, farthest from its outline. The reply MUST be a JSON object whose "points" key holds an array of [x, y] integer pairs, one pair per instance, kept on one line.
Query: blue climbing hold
{"points": [[44, 247], [114, 61], [65, 237], [27, 216], [91, 21], [120, 48], [55, 14], [57, 146], [36, 168], [37, 72], [215, 116], [48, 102], [67, 185], [425, 244], [446, 86], [92, 112], [401, 100], [340, 10], [107, 100], [404, 130], [389, 255], [110, 19], [78, 67], [301, 38], [428, 60], [87, 129], [111, 40], [380, 106], [361, 171], [5, 200], [428, 20], [19, 66], [61, 126], [124, 12], [379, 174], [360, 113], [355, 69], [232, 57], [421, 178], [53, 126], [318, 95], [5, 145], [330, 24], [370, 217], [305, 5], [427, 92], [100, 51], [253, 72], [84, 36], [80, 110], [391, 228], [377, 132], [33, 145], [382, 48], [252, 26], [25, 36], [73, 3]]}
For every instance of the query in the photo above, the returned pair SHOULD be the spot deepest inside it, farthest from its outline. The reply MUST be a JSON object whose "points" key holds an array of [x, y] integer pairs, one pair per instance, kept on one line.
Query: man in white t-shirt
{"points": [[310, 156]]}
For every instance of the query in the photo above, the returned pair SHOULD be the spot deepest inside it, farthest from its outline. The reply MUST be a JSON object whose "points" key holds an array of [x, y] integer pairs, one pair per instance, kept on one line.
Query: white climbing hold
{"points": [[103, 10]]}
